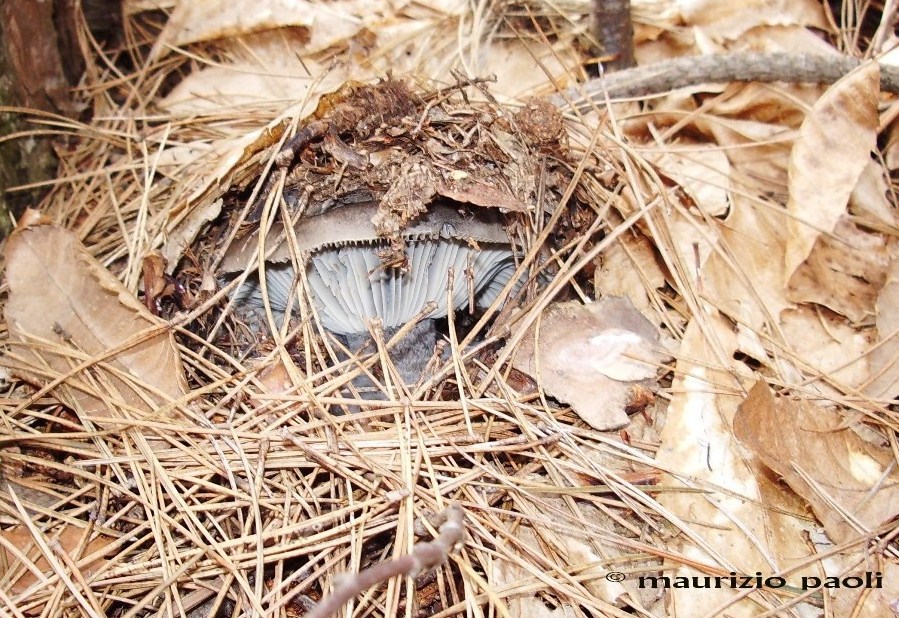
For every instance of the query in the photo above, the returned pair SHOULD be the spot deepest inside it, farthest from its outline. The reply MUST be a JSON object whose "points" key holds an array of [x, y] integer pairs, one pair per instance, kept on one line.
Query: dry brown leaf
{"points": [[262, 69], [844, 478], [833, 149], [756, 125], [697, 444], [703, 172], [515, 62], [325, 23], [884, 359], [64, 306], [590, 355], [629, 267], [745, 276], [758, 151], [729, 20], [781, 109], [870, 196], [70, 539], [844, 272], [823, 344]]}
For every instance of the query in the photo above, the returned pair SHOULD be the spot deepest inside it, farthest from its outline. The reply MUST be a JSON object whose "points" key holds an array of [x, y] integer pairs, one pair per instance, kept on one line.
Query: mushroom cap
{"points": [[349, 285]]}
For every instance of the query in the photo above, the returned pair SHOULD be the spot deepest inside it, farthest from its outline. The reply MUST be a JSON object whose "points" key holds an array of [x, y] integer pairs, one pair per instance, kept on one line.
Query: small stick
{"points": [[614, 29], [424, 556], [720, 68]]}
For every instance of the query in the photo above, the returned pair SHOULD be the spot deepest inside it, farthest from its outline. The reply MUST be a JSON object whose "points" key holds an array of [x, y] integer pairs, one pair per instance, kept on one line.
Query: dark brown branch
{"points": [[424, 556], [722, 68], [614, 29]]}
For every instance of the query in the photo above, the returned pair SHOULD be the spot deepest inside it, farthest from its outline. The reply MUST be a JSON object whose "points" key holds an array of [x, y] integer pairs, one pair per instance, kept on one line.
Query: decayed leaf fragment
{"points": [[849, 483], [65, 308], [590, 356]]}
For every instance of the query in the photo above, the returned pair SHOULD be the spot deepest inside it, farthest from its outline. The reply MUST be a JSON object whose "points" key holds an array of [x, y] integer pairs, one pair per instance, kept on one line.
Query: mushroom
{"points": [[350, 285]]}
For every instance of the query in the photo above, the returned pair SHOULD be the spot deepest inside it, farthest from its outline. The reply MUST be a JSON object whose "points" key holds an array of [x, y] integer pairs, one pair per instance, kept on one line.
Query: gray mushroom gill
{"points": [[350, 285]]}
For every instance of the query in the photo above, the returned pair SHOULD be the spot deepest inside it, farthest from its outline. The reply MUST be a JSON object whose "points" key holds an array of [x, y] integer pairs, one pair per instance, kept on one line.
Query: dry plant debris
{"points": [[164, 455], [93, 344], [593, 357]]}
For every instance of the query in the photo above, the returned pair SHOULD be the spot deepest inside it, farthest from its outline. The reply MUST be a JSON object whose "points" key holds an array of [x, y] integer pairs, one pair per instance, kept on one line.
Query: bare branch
{"points": [[424, 556]]}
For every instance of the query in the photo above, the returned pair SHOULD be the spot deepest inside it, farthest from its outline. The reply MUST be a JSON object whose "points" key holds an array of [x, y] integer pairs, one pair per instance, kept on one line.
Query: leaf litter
{"points": [[224, 458]]}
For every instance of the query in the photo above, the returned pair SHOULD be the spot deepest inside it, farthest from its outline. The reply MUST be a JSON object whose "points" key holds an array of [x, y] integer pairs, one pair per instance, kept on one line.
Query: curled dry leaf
{"points": [[238, 159], [833, 149], [589, 356], [64, 307], [851, 485]]}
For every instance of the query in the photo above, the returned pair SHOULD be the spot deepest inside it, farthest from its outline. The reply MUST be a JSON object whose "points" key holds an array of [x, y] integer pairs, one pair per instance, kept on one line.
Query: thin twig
{"points": [[424, 556]]}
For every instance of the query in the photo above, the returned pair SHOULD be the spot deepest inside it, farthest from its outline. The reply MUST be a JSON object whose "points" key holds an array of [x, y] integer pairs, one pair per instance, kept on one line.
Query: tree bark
{"points": [[614, 29], [40, 61]]}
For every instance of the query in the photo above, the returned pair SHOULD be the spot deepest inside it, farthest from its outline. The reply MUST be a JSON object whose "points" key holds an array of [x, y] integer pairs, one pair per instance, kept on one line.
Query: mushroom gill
{"points": [[349, 285]]}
